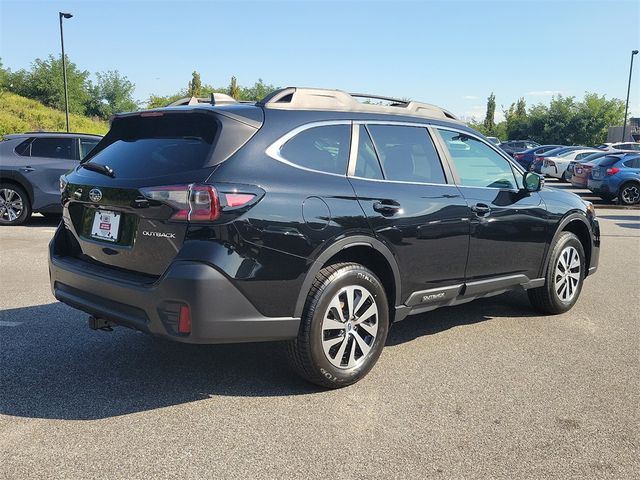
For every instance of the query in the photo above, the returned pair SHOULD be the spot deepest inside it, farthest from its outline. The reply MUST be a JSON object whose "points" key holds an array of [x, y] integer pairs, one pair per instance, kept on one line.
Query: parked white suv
{"points": [[557, 166]]}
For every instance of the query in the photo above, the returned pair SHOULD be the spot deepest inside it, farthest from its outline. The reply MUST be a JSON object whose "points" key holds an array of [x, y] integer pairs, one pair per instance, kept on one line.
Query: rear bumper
{"points": [[219, 311]]}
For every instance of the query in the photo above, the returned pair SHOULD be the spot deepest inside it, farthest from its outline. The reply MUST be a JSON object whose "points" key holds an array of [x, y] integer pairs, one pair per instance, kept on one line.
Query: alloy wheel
{"points": [[630, 194], [350, 327], [567, 274], [11, 205]]}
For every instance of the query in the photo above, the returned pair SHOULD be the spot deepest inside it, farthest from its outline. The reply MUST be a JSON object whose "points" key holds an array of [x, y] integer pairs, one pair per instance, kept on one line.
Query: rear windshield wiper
{"points": [[96, 167]]}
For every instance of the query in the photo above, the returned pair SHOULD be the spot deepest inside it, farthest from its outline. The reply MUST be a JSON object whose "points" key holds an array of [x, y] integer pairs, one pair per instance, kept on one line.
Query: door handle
{"points": [[387, 207], [27, 169], [481, 209]]}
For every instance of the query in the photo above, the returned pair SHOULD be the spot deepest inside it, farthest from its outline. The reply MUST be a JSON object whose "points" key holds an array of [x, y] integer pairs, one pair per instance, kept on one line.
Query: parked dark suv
{"points": [[30, 169], [308, 217]]}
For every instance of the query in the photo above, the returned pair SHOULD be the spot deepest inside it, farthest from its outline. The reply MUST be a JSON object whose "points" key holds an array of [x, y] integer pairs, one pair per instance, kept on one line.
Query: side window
{"points": [[632, 163], [323, 148], [580, 156], [86, 145], [24, 148], [52, 147], [407, 154], [367, 165], [478, 165]]}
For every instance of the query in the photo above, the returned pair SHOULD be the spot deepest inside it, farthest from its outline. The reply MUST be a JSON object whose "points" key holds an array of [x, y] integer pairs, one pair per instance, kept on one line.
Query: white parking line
{"points": [[10, 324]]}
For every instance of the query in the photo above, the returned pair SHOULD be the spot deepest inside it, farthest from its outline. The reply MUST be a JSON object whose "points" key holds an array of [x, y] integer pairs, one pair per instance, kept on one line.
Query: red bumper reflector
{"points": [[184, 321]]}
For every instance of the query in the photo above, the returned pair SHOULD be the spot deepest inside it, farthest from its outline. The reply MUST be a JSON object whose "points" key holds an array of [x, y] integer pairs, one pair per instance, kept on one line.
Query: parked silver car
{"points": [[30, 169]]}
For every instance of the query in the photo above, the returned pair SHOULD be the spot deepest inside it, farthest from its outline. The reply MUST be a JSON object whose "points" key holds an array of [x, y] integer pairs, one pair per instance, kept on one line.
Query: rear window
{"points": [[608, 161], [139, 146]]}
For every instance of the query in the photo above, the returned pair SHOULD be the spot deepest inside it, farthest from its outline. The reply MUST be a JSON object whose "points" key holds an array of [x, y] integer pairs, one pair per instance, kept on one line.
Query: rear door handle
{"points": [[387, 207], [27, 169], [481, 209]]}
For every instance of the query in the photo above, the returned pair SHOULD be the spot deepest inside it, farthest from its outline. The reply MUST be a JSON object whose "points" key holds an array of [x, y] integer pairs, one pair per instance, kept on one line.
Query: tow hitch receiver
{"points": [[100, 324]]}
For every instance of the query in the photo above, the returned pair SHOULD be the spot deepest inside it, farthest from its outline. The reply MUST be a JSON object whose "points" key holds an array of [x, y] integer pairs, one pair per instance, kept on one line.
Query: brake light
{"points": [[194, 203], [539, 159], [519, 156], [612, 170]]}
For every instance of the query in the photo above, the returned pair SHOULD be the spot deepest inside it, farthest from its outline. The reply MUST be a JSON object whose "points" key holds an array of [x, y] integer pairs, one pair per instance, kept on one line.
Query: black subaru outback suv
{"points": [[308, 217]]}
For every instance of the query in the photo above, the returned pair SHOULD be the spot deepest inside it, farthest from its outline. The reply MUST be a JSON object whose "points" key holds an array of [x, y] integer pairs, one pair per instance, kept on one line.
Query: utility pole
{"points": [[626, 107], [64, 68]]}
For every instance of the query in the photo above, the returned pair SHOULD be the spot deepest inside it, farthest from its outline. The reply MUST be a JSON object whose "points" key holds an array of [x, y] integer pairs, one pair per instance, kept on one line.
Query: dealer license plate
{"points": [[105, 225]]}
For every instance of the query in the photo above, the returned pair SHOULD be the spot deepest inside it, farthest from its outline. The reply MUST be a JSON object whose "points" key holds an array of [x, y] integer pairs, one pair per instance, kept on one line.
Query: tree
{"points": [[44, 83], [258, 91], [516, 124], [4, 77], [111, 94], [234, 90], [195, 85], [489, 123]]}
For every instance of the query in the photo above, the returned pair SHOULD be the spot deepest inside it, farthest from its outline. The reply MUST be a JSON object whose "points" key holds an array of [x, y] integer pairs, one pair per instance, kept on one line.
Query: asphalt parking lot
{"points": [[484, 390]]}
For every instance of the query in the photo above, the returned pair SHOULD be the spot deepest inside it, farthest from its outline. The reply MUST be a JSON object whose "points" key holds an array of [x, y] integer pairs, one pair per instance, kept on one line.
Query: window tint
{"points": [[323, 148], [86, 145], [24, 148], [52, 147], [407, 154], [367, 165], [141, 147], [632, 163], [478, 165]]}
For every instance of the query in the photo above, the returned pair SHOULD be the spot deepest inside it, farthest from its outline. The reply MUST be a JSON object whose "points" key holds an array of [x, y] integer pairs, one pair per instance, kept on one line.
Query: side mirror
{"points": [[532, 182]]}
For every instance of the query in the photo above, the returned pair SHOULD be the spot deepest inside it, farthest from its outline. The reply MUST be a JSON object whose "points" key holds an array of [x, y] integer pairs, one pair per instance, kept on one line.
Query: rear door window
{"points": [[407, 154], [323, 148], [54, 147]]}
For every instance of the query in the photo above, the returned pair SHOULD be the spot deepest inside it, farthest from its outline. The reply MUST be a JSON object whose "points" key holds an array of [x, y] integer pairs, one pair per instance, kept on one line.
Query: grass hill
{"points": [[19, 114]]}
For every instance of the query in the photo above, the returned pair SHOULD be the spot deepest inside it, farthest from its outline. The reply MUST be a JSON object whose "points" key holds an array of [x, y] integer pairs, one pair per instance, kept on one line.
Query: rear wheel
{"points": [[343, 327], [629, 193], [565, 177], [564, 277], [15, 208]]}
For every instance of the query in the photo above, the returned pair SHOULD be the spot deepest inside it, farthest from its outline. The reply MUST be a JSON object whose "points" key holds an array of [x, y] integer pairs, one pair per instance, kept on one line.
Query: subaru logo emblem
{"points": [[95, 195]]}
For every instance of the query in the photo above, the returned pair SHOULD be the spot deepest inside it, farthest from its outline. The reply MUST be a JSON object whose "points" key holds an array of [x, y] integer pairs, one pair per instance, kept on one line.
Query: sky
{"points": [[449, 53]]}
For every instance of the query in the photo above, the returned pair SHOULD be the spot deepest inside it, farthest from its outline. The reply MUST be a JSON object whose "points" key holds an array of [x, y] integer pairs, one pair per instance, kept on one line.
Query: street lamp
{"points": [[626, 107], [64, 68]]}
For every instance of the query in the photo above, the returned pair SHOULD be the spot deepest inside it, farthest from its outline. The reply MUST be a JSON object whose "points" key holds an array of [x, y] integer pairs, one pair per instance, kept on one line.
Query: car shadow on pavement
{"points": [[42, 221], [53, 366]]}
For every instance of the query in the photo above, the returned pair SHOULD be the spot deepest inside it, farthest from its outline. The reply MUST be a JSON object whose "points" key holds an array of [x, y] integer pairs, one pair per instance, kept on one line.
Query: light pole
{"points": [[64, 68], [626, 107]]}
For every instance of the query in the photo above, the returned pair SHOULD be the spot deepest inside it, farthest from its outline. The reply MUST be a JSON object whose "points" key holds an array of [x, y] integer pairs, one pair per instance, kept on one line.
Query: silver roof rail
{"points": [[296, 98], [215, 99]]}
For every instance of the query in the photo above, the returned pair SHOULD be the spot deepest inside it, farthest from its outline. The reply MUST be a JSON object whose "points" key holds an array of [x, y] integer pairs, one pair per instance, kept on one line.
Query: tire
{"points": [[565, 177], [629, 193], [606, 197], [561, 291], [15, 208], [337, 357]]}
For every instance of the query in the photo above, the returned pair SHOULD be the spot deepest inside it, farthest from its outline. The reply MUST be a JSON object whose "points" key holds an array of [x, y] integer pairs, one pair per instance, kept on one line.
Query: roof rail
{"points": [[214, 99], [296, 98]]}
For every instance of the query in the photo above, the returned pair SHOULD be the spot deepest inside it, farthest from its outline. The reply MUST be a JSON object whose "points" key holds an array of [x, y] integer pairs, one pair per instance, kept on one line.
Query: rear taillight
{"points": [[539, 159], [612, 170], [519, 156], [195, 202]]}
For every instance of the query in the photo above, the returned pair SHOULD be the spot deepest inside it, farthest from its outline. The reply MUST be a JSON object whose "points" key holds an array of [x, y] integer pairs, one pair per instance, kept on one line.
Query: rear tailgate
{"points": [[136, 217]]}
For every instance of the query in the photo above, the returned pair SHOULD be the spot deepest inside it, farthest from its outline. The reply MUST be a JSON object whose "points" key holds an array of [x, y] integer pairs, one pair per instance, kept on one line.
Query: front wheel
{"points": [[629, 193], [564, 277], [343, 328]]}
